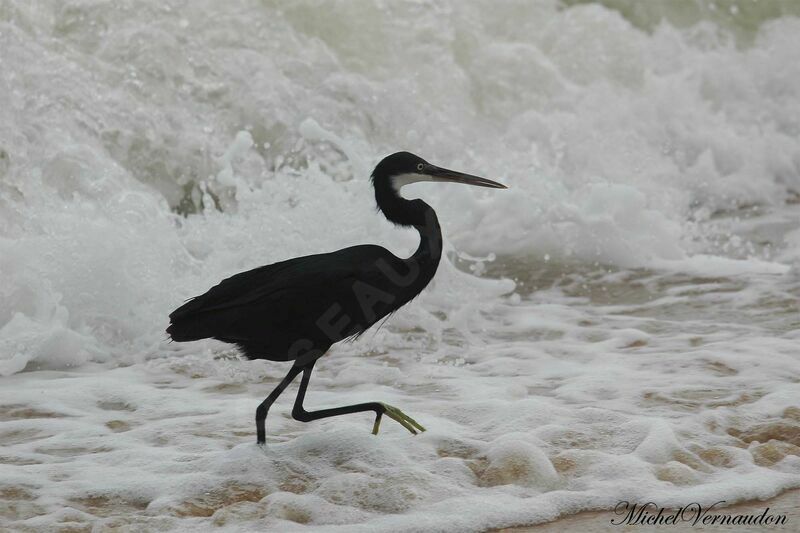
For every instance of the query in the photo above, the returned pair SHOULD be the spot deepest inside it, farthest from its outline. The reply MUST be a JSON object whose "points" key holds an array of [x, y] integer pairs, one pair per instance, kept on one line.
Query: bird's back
{"points": [[312, 301]]}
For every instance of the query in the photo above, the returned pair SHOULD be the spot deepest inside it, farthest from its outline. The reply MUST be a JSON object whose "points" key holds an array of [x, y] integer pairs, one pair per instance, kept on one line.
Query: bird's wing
{"points": [[309, 277]]}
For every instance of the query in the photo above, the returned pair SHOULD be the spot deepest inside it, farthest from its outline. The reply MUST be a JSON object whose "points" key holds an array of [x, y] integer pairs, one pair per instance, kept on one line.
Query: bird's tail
{"points": [[188, 330], [189, 323]]}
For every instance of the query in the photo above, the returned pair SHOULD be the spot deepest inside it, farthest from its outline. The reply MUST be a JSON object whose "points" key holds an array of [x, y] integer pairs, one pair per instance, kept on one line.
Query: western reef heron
{"points": [[294, 310]]}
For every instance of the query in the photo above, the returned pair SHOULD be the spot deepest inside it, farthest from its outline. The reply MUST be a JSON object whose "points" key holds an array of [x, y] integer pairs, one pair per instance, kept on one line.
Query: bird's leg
{"points": [[261, 411], [380, 409]]}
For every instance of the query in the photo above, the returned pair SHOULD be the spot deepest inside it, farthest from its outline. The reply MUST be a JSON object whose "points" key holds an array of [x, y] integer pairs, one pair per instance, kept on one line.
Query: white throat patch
{"points": [[401, 180]]}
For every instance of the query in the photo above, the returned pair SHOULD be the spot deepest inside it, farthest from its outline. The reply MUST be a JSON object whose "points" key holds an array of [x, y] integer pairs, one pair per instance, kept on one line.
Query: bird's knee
{"points": [[298, 413], [261, 412]]}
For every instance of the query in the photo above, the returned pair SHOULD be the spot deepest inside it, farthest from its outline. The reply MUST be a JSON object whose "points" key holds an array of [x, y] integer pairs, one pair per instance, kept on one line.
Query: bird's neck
{"points": [[430, 235], [425, 260], [422, 217]]}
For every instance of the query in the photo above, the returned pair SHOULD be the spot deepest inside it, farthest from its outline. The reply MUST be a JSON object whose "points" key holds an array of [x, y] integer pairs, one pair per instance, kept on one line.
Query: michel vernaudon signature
{"points": [[693, 514]]}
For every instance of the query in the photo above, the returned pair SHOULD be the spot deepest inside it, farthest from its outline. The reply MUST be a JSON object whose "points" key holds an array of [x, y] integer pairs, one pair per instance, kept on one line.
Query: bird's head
{"points": [[402, 168]]}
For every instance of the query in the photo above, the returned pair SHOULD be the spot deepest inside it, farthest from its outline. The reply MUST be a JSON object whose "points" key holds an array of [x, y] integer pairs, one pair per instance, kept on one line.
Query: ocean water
{"points": [[621, 324]]}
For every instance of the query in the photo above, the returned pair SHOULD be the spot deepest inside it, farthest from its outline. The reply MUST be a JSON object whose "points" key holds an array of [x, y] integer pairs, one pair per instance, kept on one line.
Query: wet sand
{"points": [[787, 504]]}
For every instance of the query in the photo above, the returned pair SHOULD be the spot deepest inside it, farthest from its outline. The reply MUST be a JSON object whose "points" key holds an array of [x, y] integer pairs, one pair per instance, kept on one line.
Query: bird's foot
{"points": [[396, 414]]}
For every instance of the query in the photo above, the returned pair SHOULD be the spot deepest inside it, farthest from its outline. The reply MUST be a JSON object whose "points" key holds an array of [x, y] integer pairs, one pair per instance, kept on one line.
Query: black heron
{"points": [[296, 309]]}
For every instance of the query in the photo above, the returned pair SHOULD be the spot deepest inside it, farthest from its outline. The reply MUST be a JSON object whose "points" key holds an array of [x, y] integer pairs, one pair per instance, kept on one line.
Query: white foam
{"points": [[146, 154]]}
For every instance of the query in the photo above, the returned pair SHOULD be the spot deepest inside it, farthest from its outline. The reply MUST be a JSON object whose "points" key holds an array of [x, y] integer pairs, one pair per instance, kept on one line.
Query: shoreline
{"points": [[786, 503]]}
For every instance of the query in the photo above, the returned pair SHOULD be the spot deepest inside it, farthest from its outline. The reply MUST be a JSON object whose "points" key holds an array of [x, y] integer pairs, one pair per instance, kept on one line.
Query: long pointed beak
{"points": [[451, 176]]}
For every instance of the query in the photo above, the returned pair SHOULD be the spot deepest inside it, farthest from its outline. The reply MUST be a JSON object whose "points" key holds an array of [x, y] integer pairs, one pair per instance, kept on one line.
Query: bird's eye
{"points": [[420, 167]]}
